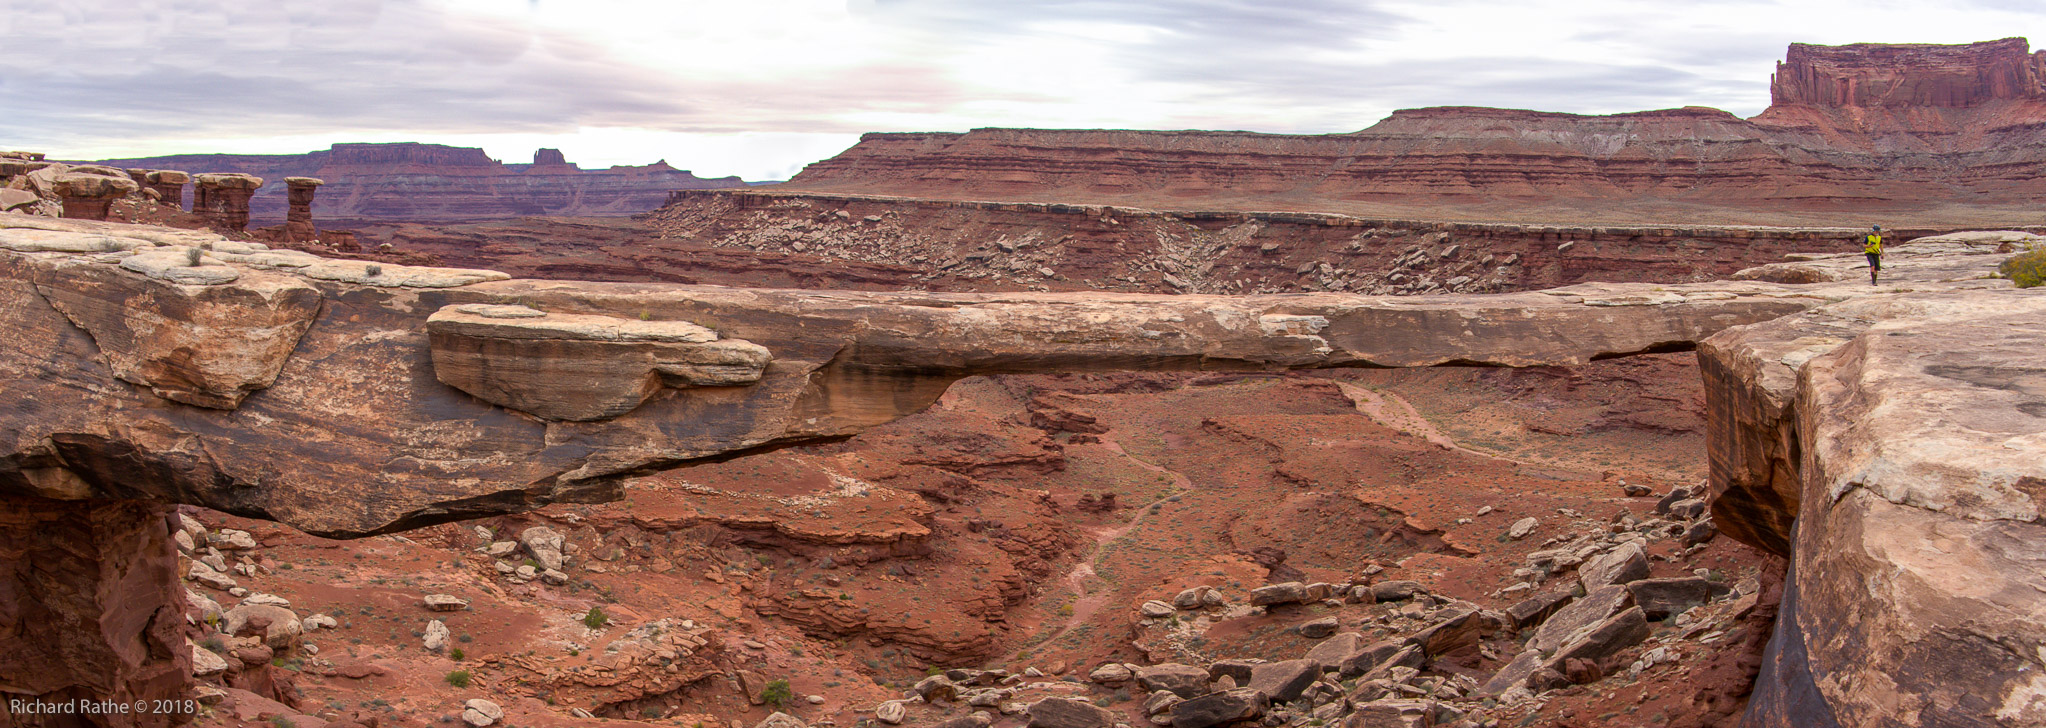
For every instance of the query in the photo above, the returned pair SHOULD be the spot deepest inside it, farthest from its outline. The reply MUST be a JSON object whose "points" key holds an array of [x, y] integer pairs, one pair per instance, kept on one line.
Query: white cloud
{"points": [[759, 87]]}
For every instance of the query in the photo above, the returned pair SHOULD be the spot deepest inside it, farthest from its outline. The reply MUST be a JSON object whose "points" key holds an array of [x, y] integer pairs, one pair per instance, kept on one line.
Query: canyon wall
{"points": [[430, 182], [1932, 135]]}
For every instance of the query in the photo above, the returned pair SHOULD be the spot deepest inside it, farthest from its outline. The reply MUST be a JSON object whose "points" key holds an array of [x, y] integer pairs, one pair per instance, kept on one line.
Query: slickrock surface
{"points": [[1892, 446]]}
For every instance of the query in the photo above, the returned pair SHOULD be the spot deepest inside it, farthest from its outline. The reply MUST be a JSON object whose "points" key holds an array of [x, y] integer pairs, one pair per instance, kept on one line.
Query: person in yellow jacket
{"points": [[1872, 246]]}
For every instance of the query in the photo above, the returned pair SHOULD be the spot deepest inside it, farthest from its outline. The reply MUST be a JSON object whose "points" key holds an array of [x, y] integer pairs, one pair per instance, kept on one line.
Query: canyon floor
{"points": [[1020, 524]]}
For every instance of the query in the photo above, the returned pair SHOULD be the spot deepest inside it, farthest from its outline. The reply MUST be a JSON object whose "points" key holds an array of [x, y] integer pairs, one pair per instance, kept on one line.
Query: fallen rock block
{"points": [[1587, 611], [1291, 592], [1661, 598], [1219, 708], [1068, 713], [1186, 681], [1624, 563]]}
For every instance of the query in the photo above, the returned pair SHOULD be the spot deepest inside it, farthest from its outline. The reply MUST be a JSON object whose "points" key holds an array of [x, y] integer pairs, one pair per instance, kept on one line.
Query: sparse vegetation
{"points": [[459, 678], [192, 257], [596, 618], [373, 270], [456, 654], [777, 694], [2025, 270]]}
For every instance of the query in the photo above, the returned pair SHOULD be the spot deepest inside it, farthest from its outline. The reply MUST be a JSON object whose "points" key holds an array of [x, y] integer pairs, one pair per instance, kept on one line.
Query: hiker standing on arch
{"points": [[1872, 246]]}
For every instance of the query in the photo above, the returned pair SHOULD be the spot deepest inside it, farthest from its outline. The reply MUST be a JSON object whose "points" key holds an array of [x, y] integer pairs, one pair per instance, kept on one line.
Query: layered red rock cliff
{"points": [[1931, 134], [433, 183]]}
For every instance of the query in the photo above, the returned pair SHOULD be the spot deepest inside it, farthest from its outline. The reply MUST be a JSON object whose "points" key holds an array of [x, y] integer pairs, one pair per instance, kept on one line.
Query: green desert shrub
{"points": [[2025, 269], [459, 678], [777, 694], [596, 619]]}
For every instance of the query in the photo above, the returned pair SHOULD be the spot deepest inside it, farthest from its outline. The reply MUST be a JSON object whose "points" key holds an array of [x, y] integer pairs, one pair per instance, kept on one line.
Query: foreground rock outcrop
{"points": [[1891, 447]]}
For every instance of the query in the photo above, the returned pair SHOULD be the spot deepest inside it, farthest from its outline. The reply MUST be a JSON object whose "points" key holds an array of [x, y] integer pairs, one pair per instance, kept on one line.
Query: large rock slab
{"points": [[1903, 436]]}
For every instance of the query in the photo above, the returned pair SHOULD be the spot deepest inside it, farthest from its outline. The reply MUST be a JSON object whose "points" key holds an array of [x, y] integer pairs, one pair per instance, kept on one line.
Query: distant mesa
{"points": [[1942, 134], [413, 182]]}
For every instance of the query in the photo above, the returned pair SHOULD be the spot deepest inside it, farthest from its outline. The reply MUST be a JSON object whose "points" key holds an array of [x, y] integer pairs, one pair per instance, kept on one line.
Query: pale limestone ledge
{"points": [[164, 254]]}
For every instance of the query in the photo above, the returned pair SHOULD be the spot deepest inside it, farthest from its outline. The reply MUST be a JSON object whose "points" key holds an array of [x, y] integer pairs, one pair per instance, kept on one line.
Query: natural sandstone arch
{"points": [[323, 394]]}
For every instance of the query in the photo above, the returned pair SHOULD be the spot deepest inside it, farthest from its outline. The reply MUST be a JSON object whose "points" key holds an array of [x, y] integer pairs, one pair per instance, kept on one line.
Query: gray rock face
{"points": [[1319, 628], [1067, 713], [1237, 669], [1514, 673], [1220, 708]]}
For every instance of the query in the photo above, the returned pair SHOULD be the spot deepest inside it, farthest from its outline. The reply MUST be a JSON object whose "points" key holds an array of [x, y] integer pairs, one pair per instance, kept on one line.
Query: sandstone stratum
{"points": [[154, 366]]}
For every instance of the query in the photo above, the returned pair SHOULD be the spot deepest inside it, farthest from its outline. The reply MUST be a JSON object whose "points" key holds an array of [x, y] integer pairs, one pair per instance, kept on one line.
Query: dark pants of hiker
{"points": [[1875, 265]]}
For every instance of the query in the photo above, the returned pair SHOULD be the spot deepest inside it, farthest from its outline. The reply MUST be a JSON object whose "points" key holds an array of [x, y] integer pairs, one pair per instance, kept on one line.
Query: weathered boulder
{"points": [[1602, 640], [1068, 713], [1591, 609], [1112, 673], [279, 627], [1535, 609], [1284, 681], [1394, 591], [1291, 592], [1393, 714], [1660, 598], [1186, 681], [444, 602], [1624, 563], [1349, 656], [1219, 708], [544, 544], [1237, 669], [1319, 628], [1515, 673]]}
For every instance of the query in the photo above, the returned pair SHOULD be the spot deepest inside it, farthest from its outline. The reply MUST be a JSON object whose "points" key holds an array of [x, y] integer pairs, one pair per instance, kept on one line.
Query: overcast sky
{"points": [[759, 88]]}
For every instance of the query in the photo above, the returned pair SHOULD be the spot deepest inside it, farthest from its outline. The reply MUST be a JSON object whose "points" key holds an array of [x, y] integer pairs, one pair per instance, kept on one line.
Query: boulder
{"points": [[1186, 681], [891, 712], [1161, 701], [1602, 640], [1284, 681], [1393, 591], [1191, 598], [1291, 592], [1408, 656], [1535, 609], [1521, 528], [1348, 656], [204, 662], [1624, 563], [488, 709], [1111, 673], [1457, 628], [1068, 713], [1393, 714], [1219, 708], [1319, 628], [970, 720], [779, 719], [1155, 609], [544, 544], [1661, 598], [445, 603], [279, 627], [933, 689], [1513, 674], [1237, 669], [1591, 609], [436, 636]]}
